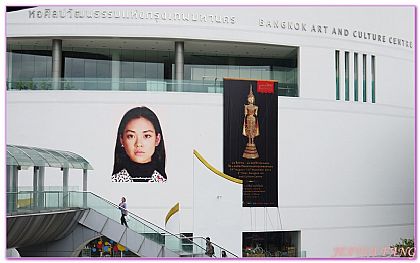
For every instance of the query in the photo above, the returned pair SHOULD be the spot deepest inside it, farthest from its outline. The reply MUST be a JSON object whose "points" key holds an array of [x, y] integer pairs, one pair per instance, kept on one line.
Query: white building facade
{"points": [[346, 113]]}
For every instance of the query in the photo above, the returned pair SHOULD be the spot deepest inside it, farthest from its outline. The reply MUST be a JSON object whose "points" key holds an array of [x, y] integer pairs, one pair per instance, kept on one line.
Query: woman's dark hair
{"points": [[121, 157]]}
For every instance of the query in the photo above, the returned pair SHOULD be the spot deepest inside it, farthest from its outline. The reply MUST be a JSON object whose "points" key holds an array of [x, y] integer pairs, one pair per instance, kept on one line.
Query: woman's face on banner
{"points": [[139, 140]]}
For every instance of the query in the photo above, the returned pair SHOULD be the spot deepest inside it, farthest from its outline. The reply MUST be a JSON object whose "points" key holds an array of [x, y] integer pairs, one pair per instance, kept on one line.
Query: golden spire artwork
{"points": [[250, 127]]}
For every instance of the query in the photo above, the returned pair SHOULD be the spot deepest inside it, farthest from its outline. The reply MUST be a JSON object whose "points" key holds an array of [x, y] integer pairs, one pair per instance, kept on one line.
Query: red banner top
{"points": [[264, 86]]}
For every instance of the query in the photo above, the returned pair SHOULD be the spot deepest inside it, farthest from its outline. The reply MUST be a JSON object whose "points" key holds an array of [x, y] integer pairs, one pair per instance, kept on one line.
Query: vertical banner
{"points": [[250, 138]]}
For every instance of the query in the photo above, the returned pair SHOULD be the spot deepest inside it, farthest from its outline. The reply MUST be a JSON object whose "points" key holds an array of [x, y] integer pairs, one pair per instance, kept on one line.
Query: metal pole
{"points": [[57, 60], [14, 188], [10, 196], [41, 188], [35, 190], [65, 186], [85, 188]]}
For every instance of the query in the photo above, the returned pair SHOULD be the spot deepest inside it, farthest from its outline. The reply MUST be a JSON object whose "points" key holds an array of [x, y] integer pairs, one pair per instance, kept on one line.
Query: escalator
{"points": [[96, 217]]}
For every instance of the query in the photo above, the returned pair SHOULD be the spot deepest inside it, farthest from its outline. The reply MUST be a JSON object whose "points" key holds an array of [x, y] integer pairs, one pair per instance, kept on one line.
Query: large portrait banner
{"points": [[250, 110]]}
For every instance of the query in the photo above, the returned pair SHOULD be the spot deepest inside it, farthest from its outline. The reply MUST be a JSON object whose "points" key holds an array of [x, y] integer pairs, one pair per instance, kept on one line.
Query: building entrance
{"points": [[271, 244]]}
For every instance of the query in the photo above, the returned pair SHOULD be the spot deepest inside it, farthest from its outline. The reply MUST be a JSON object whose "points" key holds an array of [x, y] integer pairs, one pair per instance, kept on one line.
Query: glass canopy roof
{"points": [[32, 156]]}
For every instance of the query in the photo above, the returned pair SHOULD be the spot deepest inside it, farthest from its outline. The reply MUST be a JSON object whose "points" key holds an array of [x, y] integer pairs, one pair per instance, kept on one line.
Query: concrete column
{"points": [[85, 188], [15, 180], [9, 195], [179, 64], [57, 62], [35, 192], [10, 70], [41, 188], [9, 178], [115, 70], [12, 187], [65, 187]]}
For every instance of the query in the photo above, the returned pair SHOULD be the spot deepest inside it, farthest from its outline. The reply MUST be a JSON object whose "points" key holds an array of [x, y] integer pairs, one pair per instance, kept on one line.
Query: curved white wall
{"points": [[345, 170]]}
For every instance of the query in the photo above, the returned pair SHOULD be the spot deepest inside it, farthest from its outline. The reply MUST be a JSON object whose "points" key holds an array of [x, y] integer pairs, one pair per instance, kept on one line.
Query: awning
{"points": [[33, 156]]}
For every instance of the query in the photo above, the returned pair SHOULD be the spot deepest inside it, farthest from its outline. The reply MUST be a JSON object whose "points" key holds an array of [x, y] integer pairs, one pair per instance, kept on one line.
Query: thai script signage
{"points": [[129, 14], [136, 14]]}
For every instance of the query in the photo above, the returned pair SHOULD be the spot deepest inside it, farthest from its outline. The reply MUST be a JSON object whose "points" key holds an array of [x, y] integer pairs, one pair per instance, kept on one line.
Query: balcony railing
{"points": [[133, 84]]}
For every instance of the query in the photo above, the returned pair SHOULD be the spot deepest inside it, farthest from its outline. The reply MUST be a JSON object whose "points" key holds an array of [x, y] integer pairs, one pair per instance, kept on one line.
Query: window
{"points": [[346, 73], [337, 75], [373, 79], [364, 78], [356, 77]]}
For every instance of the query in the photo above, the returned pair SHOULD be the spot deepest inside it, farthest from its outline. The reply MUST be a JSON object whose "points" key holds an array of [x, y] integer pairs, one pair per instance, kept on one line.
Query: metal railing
{"points": [[35, 202], [135, 84], [201, 241], [131, 84]]}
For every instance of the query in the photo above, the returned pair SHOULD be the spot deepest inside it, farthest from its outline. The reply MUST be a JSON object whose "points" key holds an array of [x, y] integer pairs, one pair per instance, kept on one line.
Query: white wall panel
{"points": [[346, 169], [341, 164]]}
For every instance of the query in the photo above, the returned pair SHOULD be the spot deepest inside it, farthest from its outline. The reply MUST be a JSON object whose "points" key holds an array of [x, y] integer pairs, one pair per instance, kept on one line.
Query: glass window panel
{"points": [[127, 66], [126, 84], [197, 73], [68, 67], [139, 69], [151, 70], [364, 78], [84, 65], [210, 72], [173, 71], [49, 67], [127, 69], [265, 73], [257, 72], [90, 68], [356, 76], [160, 71], [104, 84], [245, 72], [373, 79], [187, 72], [103, 69], [222, 71], [16, 66], [346, 73], [27, 67], [337, 75], [40, 67], [233, 72], [78, 68], [91, 84]]}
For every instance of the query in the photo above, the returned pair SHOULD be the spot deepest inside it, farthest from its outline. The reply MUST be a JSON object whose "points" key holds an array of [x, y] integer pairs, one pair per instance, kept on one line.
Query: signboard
{"points": [[250, 138]]}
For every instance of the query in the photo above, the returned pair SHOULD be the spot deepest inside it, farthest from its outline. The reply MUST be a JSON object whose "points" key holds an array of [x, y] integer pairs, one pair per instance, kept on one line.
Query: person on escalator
{"points": [[209, 248], [123, 208]]}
